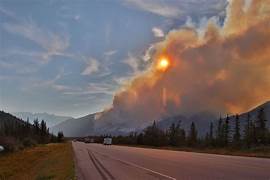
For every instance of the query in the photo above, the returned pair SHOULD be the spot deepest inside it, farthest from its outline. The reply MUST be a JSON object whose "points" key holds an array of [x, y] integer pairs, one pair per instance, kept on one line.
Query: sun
{"points": [[163, 63]]}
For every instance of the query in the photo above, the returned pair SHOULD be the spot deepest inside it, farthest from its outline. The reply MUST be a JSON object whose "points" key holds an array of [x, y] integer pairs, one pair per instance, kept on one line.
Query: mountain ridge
{"points": [[88, 125], [50, 119]]}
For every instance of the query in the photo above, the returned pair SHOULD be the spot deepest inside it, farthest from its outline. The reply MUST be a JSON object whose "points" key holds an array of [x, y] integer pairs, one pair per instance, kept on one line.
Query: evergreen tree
{"points": [[176, 135], [220, 132], [153, 136], [226, 131], [36, 127], [211, 134], [60, 137], [43, 132], [192, 138], [236, 136], [261, 129], [249, 132]]}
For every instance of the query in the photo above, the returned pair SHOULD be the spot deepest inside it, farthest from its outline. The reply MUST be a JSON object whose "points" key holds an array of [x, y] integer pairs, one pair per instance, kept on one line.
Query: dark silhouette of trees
{"points": [[227, 134], [176, 135], [237, 135], [60, 136], [211, 134], [248, 132], [261, 130], [192, 138], [154, 136], [226, 128], [220, 132]]}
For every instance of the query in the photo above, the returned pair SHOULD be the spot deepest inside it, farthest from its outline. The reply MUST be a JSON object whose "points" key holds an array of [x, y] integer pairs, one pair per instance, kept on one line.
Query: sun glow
{"points": [[163, 64]]}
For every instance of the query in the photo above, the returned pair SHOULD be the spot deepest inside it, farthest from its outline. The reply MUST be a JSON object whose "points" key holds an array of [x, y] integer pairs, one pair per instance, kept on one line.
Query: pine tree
{"points": [[226, 131], [176, 135], [211, 134], [192, 139], [172, 135], [36, 127], [60, 137], [236, 136], [220, 132], [248, 132], [261, 129]]}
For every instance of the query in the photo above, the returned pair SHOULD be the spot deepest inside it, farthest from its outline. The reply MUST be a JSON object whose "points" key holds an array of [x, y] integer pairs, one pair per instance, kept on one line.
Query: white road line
{"points": [[137, 166]]}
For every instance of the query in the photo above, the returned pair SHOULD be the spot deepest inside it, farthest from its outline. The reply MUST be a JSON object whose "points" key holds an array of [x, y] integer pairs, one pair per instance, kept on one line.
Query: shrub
{"points": [[29, 142], [10, 144]]}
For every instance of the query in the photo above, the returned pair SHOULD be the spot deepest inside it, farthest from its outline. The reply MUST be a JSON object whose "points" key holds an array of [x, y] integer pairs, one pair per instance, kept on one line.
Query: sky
{"points": [[70, 57]]}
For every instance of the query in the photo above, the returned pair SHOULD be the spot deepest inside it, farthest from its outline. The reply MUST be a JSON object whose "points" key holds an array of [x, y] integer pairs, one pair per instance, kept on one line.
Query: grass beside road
{"points": [[44, 162]]}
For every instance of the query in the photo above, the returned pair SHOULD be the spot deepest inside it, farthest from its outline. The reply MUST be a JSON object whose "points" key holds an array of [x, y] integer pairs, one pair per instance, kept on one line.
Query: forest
{"points": [[16, 134], [227, 132]]}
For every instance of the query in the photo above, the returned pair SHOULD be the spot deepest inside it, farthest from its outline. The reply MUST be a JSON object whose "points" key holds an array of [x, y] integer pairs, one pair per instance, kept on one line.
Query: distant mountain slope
{"points": [[76, 127], [50, 119], [202, 120], [89, 126]]}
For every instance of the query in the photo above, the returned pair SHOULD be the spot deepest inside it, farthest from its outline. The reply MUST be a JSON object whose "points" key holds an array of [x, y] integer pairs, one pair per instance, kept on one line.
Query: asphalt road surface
{"points": [[99, 162]]}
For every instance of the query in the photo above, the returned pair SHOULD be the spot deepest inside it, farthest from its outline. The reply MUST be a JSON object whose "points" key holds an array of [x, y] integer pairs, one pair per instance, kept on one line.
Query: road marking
{"points": [[98, 169], [137, 166], [101, 165]]}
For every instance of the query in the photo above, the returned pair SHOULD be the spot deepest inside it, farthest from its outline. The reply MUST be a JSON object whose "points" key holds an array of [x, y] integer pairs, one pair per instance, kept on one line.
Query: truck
{"points": [[107, 141]]}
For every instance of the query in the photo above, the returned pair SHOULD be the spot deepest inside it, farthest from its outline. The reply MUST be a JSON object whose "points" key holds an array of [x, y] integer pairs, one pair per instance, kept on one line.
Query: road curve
{"points": [[99, 162]]}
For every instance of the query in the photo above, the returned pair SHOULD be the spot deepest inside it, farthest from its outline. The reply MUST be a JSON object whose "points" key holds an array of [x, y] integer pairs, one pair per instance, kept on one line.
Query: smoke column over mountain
{"points": [[223, 70]]}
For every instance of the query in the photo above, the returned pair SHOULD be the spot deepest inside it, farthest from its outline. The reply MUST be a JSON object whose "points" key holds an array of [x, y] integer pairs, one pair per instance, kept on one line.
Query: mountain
{"points": [[87, 125], [50, 119], [203, 120], [76, 127]]}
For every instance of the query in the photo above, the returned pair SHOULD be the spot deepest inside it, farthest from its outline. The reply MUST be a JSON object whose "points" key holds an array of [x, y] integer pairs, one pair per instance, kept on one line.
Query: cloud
{"points": [[136, 63], [51, 83], [157, 32], [8, 13], [77, 17], [156, 7], [52, 43], [92, 67], [133, 62], [177, 9], [110, 53], [93, 89]]}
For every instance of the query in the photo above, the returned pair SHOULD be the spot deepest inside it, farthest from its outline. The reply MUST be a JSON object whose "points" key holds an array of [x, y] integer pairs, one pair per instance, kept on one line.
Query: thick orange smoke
{"points": [[225, 70]]}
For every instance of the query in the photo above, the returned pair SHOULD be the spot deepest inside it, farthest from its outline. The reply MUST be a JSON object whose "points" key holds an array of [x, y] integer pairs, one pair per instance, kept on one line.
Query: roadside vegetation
{"points": [[50, 161], [228, 136], [16, 134]]}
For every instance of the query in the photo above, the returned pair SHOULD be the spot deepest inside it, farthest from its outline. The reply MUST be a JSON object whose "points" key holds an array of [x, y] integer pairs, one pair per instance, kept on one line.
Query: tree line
{"points": [[16, 133], [227, 132]]}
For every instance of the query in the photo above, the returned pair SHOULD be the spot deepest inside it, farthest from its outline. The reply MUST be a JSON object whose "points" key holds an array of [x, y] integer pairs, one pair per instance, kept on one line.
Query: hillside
{"points": [[50, 119], [16, 134], [76, 127], [8, 122]]}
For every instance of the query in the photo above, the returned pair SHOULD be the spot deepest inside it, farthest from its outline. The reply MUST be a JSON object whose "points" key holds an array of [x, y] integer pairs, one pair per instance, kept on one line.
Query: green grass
{"points": [[44, 162]]}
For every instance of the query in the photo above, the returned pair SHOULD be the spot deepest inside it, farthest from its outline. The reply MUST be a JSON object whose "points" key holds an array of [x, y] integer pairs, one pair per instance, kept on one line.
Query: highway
{"points": [[99, 162]]}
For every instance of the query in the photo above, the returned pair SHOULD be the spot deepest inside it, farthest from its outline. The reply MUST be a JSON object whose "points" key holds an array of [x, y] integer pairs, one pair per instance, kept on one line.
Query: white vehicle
{"points": [[107, 141], [2, 148]]}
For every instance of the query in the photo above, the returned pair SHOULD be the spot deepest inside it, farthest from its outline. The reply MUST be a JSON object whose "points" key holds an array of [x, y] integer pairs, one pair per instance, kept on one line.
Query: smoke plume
{"points": [[222, 70]]}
